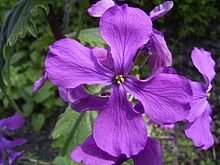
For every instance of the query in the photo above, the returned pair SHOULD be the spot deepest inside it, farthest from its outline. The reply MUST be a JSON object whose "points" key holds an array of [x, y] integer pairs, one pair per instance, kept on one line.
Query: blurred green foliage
{"points": [[189, 19]]}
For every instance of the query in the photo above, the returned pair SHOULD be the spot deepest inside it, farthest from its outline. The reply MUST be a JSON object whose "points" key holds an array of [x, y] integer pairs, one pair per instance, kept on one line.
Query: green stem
{"points": [[83, 6], [14, 105], [38, 162]]}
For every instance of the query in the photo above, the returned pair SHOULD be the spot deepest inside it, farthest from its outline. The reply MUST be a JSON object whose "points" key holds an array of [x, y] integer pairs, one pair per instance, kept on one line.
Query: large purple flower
{"points": [[7, 153], [159, 53], [198, 128], [119, 129]]}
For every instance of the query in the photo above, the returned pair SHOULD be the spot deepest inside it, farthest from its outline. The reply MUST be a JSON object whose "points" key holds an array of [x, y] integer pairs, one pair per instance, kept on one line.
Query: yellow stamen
{"points": [[119, 79]]}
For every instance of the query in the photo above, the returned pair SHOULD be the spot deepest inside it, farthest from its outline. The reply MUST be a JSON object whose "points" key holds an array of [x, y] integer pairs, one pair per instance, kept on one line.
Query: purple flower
{"points": [[159, 53], [119, 129], [91, 154], [198, 128], [7, 153]]}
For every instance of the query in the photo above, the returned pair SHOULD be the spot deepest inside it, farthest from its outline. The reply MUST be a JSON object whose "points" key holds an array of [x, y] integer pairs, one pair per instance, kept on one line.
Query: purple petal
{"points": [[18, 142], [82, 101], [139, 107], [12, 123], [125, 29], [167, 126], [203, 61], [14, 156], [118, 129], [199, 130], [166, 97], [69, 64], [199, 102], [72, 95], [40, 82], [161, 55], [97, 9], [90, 154], [161, 10], [104, 57], [169, 70], [89, 103], [151, 155]]}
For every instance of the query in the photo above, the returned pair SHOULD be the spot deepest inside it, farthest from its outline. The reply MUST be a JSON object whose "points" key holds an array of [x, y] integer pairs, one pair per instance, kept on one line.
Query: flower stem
{"points": [[38, 162]]}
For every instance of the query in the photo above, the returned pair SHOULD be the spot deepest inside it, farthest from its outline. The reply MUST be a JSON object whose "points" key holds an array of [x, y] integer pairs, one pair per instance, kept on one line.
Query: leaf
{"points": [[18, 21], [89, 37], [37, 121], [71, 130], [65, 160]]}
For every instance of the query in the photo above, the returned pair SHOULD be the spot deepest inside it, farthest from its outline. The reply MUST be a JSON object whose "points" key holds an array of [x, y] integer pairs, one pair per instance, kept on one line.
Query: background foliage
{"points": [[28, 27]]}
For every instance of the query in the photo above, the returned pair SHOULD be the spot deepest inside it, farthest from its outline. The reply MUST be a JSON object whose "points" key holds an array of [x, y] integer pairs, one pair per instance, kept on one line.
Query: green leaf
{"points": [[28, 109], [71, 130], [37, 121], [89, 37], [17, 22], [64, 160]]}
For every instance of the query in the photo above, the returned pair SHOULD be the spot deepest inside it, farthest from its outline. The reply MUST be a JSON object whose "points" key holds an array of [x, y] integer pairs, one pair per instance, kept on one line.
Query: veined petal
{"points": [[90, 154], [70, 64], [72, 95], [203, 61], [151, 155], [97, 9], [125, 29], [199, 103], [166, 97], [161, 10], [161, 55], [199, 130], [12, 123], [118, 129], [89, 103]]}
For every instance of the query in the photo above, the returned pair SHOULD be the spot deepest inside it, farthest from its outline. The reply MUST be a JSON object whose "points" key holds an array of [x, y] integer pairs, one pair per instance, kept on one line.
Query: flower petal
{"points": [[161, 10], [17, 142], [69, 64], [151, 155], [169, 70], [12, 123], [203, 61], [40, 82], [125, 29], [104, 57], [199, 130], [161, 55], [118, 129], [14, 156], [90, 154], [166, 97], [72, 95], [199, 103], [89, 103], [97, 9], [80, 100]]}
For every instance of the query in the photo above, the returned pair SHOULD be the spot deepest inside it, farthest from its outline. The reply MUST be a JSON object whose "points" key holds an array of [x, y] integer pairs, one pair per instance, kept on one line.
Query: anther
{"points": [[119, 79]]}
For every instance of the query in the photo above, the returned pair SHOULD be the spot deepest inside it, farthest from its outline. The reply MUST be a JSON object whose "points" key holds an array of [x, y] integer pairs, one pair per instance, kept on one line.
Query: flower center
{"points": [[119, 79]]}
